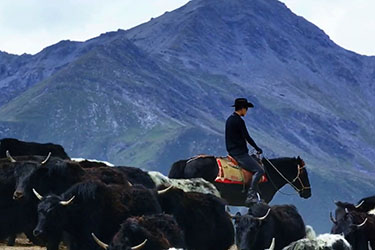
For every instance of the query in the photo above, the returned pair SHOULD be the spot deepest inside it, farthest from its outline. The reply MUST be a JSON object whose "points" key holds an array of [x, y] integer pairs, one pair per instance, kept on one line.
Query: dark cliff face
{"points": [[161, 92]]}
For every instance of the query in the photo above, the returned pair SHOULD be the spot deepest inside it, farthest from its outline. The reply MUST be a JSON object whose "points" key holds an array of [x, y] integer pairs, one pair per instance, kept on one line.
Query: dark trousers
{"points": [[250, 164]]}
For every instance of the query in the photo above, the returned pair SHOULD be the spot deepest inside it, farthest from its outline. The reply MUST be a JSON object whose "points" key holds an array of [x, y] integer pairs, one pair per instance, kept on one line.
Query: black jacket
{"points": [[236, 136]]}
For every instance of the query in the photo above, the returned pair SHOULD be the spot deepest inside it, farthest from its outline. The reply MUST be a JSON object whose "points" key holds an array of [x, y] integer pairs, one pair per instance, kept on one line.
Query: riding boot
{"points": [[253, 193], [251, 198]]}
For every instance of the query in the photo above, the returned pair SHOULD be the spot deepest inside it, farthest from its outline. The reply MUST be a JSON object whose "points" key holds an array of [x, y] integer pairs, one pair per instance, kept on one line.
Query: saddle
{"points": [[230, 172]]}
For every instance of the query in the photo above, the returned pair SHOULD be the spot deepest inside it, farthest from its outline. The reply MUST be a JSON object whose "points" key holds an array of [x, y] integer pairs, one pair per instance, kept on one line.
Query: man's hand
{"points": [[259, 151]]}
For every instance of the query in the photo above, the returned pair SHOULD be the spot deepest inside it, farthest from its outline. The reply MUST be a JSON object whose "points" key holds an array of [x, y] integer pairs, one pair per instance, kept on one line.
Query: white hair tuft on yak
{"points": [[198, 185]]}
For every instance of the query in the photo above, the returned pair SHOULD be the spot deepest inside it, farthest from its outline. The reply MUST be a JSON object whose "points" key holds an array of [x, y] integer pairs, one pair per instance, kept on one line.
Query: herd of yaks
{"points": [[91, 205], [353, 228]]}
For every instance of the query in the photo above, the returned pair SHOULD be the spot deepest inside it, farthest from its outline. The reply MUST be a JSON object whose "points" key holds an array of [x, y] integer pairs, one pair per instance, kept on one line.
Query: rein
{"points": [[298, 177]]}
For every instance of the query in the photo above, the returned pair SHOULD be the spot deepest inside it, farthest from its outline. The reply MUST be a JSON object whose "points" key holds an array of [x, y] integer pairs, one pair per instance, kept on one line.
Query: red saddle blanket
{"points": [[231, 173]]}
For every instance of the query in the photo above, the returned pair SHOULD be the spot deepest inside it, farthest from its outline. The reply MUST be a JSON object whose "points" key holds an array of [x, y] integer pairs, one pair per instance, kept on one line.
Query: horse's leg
{"points": [[267, 191], [372, 244], [12, 240]]}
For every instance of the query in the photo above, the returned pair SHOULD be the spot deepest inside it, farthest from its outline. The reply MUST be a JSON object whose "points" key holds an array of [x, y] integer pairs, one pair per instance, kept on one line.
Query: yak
{"points": [[358, 228], [365, 205], [92, 207], [263, 223], [21, 148], [202, 217], [322, 242], [15, 217], [49, 174], [152, 232]]}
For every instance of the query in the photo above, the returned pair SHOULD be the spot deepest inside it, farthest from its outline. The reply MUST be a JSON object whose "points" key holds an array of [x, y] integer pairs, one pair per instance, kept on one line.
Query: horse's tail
{"points": [[177, 170]]}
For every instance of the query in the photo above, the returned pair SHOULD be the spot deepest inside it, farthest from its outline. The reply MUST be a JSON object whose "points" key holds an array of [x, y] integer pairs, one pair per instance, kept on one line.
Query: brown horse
{"points": [[279, 171]]}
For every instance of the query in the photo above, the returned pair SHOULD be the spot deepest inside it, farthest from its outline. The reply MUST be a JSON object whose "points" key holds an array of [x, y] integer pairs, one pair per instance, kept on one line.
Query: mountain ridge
{"points": [[161, 92]]}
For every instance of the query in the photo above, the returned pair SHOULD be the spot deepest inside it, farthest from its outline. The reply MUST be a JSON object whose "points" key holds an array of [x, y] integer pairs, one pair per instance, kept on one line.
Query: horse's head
{"points": [[301, 180], [292, 171]]}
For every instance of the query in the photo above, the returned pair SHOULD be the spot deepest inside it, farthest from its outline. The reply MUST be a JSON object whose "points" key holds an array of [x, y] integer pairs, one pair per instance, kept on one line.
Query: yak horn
{"points": [[66, 203], [264, 217], [272, 247], [232, 216], [37, 195], [99, 242], [140, 246], [10, 158], [130, 184], [359, 205], [47, 158], [346, 210], [165, 190], [362, 224], [332, 219]]}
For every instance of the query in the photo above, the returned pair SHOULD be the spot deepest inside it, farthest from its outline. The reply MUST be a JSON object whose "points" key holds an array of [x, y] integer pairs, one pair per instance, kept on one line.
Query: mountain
{"points": [[18, 73], [161, 91]]}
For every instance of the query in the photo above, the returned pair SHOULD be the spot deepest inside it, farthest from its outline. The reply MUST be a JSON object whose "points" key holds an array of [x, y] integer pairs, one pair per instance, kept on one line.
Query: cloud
{"points": [[30, 25]]}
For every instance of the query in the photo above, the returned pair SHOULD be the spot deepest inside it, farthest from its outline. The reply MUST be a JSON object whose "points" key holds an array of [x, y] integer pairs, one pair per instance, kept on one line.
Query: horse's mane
{"points": [[281, 161]]}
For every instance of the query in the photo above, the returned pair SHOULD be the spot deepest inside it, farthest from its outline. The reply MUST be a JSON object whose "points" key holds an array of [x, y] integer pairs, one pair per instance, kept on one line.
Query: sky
{"points": [[28, 26], [349, 23]]}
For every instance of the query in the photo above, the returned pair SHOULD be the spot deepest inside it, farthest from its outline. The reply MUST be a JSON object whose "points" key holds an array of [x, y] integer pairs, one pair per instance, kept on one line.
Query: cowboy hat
{"points": [[242, 102]]}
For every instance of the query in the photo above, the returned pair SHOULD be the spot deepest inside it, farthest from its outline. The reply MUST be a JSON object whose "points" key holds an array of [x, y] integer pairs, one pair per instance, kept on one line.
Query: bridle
{"points": [[298, 178], [291, 183]]}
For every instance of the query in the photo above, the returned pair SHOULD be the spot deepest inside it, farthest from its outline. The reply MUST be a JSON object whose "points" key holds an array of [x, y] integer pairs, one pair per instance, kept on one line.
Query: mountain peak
{"points": [[206, 29]]}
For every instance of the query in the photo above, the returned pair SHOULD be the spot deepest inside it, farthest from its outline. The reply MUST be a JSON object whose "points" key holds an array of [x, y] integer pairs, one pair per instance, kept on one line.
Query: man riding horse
{"points": [[236, 139]]}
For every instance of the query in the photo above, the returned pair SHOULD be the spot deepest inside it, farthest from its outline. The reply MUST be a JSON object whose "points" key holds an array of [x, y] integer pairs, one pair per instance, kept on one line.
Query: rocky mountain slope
{"points": [[161, 92]]}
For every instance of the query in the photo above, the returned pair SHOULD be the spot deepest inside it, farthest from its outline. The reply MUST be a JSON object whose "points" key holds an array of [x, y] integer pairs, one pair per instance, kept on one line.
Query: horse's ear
{"points": [[300, 161]]}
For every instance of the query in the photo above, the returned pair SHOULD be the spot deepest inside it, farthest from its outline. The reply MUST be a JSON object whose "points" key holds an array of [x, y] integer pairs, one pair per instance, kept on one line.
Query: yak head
{"points": [[55, 176], [342, 209], [249, 231], [120, 242], [349, 223], [132, 234], [23, 171], [51, 213], [170, 199], [364, 205]]}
